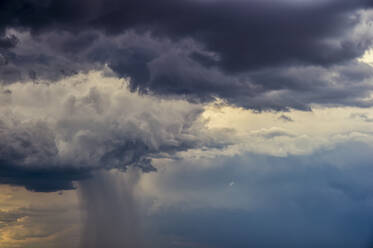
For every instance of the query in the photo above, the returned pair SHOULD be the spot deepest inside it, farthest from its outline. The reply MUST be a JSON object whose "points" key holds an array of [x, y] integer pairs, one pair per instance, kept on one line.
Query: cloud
{"points": [[285, 118], [8, 42], [264, 32], [40, 227], [99, 85], [361, 116], [254, 54], [52, 134], [266, 133], [33, 219]]}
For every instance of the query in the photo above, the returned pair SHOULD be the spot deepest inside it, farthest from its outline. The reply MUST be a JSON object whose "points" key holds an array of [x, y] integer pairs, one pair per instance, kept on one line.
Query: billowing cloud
{"points": [[52, 134]]}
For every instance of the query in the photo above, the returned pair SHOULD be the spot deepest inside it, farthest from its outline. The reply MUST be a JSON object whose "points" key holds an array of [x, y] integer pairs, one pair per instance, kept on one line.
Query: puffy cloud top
{"points": [[89, 122]]}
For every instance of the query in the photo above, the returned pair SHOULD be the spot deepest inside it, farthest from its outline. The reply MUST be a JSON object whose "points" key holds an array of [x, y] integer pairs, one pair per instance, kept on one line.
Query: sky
{"points": [[186, 124]]}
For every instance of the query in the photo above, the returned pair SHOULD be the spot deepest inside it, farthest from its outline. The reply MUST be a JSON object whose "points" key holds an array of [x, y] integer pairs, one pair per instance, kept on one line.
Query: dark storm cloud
{"points": [[247, 34], [241, 51], [51, 135], [41, 179], [8, 42]]}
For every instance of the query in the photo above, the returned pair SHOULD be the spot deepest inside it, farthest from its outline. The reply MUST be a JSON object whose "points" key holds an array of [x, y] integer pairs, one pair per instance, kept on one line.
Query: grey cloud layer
{"points": [[255, 54], [245, 33]]}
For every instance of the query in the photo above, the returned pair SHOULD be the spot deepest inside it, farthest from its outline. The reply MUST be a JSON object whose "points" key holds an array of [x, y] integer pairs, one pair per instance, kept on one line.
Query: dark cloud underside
{"points": [[246, 34], [41, 180], [237, 50]]}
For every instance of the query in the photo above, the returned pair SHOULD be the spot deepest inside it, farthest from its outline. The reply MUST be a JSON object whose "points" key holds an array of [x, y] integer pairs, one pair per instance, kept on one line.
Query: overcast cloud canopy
{"points": [[256, 54]]}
